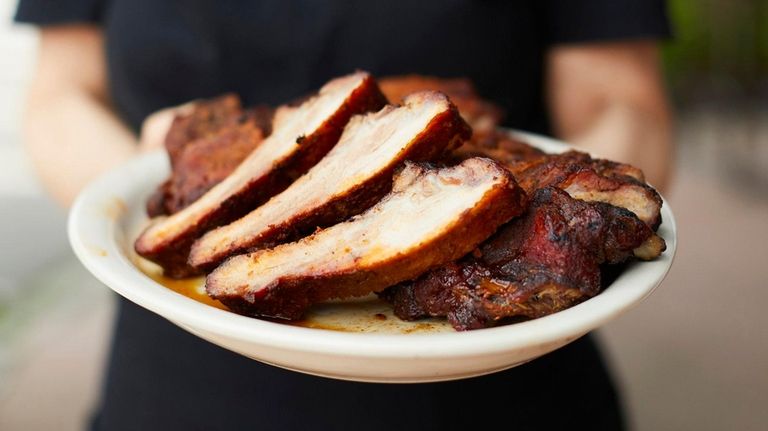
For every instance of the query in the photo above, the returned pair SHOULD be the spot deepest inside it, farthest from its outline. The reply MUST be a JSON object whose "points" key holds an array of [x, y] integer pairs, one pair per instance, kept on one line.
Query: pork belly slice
{"points": [[432, 217], [542, 262], [301, 136], [356, 174]]}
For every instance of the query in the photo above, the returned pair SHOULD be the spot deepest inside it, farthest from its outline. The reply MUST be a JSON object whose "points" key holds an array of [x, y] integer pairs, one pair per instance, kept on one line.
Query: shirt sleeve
{"points": [[574, 21], [51, 12]]}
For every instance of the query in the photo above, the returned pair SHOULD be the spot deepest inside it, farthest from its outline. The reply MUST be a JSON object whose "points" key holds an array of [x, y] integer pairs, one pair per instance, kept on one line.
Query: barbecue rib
{"points": [[354, 175], [301, 136], [585, 178], [591, 179], [431, 217], [543, 262]]}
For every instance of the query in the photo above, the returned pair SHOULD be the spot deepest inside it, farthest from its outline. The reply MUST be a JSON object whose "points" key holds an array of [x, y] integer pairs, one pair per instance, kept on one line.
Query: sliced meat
{"points": [[583, 177], [204, 163], [591, 179], [540, 263], [481, 114], [196, 122], [301, 137], [617, 170], [356, 174], [203, 119], [639, 198], [431, 217]]}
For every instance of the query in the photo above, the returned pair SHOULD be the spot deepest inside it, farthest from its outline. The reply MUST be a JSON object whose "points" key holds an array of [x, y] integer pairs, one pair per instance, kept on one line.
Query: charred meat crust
{"points": [[172, 253], [444, 133], [205, 118], [288, 297], [207, 161]]}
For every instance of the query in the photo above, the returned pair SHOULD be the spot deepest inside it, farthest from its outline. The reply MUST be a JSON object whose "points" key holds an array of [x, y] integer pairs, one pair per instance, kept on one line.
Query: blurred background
{"points": [[693, 356]]}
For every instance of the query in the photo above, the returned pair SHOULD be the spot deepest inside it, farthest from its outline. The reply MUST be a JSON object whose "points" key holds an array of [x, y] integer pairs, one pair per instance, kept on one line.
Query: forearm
{"points": [[70, 129], [72, 137], [609, 99], [633, 134]]}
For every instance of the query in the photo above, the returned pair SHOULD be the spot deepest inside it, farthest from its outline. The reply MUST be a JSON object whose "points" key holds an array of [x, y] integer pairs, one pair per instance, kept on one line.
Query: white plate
{"points": [[107, 215]]}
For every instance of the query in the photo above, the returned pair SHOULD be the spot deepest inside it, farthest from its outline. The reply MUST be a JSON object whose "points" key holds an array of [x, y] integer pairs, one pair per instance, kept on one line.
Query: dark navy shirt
{"points": [[166, 52]]}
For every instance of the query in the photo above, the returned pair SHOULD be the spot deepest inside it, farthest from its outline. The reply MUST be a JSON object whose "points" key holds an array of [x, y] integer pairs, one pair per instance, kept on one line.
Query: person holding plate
{"points": [[108, 71]]}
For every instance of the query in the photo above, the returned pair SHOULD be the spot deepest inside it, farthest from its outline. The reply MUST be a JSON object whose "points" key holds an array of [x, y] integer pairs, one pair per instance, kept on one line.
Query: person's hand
{"points": [[156, 125]]}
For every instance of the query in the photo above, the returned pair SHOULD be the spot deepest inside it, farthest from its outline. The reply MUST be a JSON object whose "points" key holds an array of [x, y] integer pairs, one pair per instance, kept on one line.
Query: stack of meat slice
{"points": [[210, 138], [432, 216], [356, 174], [342, 196], [300, 137]]}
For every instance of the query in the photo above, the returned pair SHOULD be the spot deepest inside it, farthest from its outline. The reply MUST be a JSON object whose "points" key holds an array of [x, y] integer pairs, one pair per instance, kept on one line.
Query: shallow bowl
{"points": [[359, 340]]}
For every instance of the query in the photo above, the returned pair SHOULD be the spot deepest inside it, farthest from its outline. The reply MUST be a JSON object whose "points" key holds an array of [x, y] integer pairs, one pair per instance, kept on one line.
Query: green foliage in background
{"points": [[719, 46]]}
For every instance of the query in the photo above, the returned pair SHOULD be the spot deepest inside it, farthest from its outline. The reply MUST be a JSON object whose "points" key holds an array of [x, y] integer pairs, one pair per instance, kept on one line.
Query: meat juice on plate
{"points": [[366, 314]]}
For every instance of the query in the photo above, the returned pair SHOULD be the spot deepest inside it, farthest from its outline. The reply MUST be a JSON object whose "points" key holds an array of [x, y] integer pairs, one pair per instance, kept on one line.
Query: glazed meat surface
{"points": [[354, 175], [301, 136], [543, 262], [432, 217]]}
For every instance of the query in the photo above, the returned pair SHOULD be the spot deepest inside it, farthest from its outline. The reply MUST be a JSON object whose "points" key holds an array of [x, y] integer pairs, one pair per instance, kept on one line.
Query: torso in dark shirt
{"points": [[275, 50]]}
